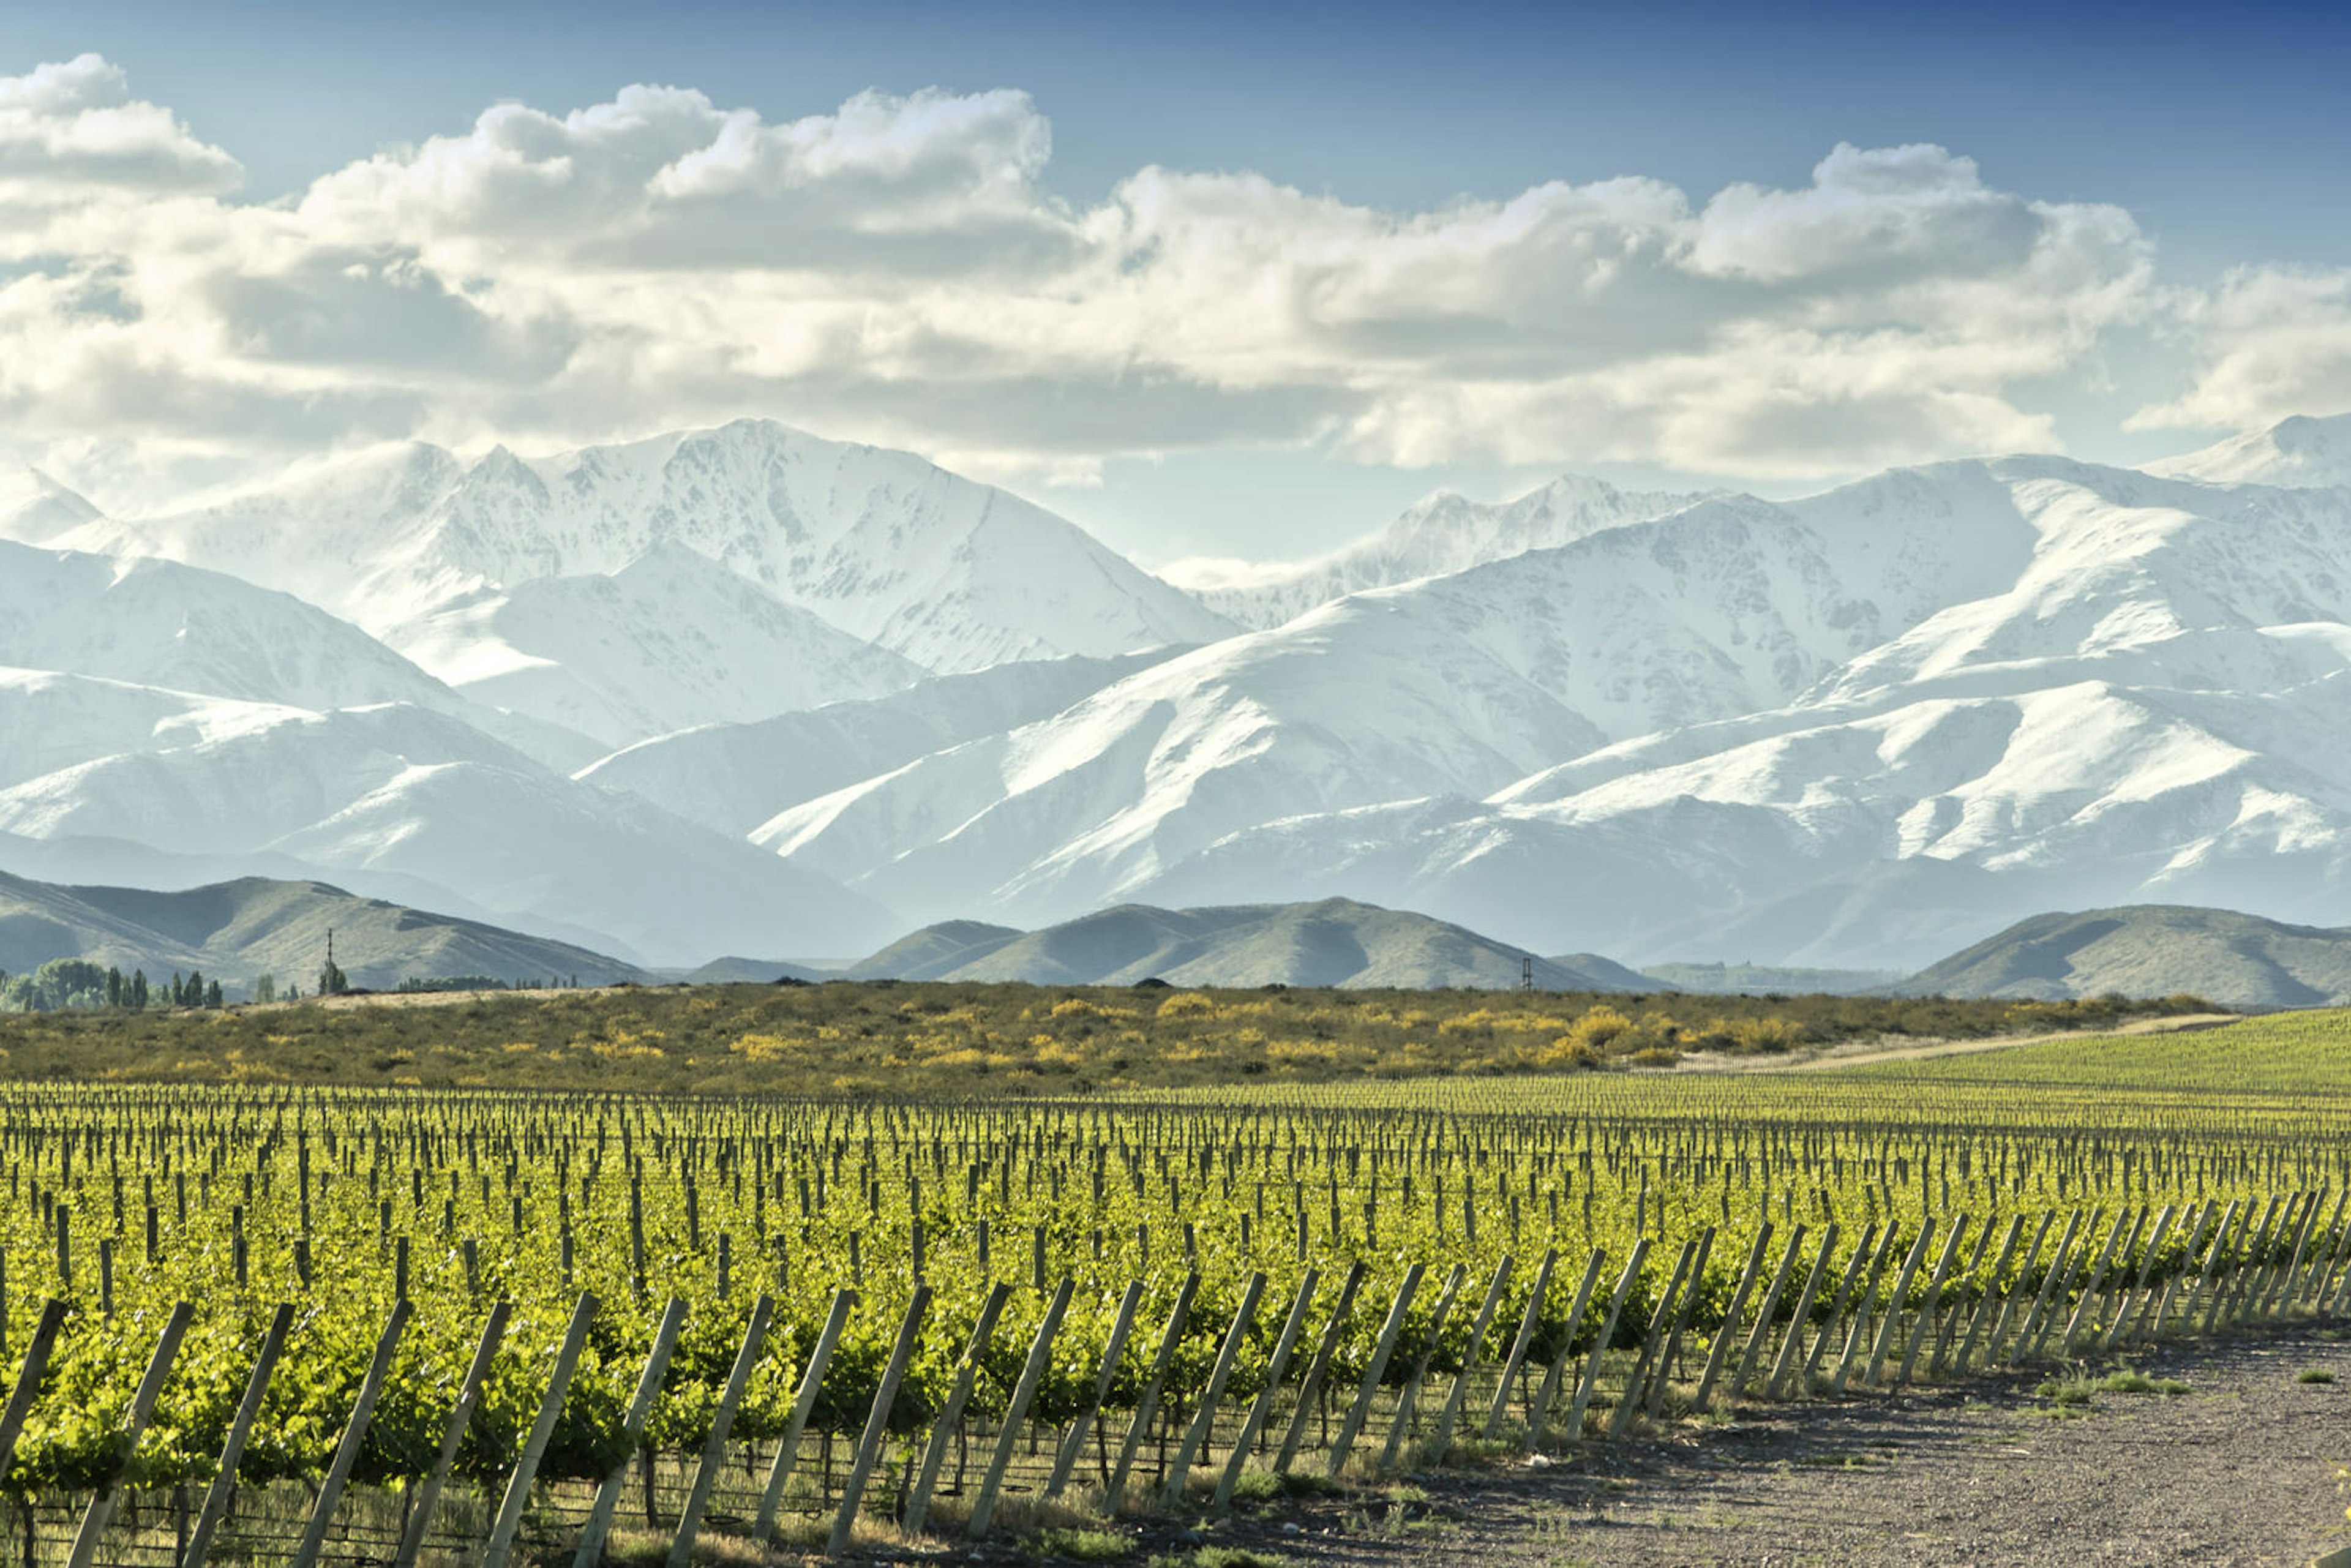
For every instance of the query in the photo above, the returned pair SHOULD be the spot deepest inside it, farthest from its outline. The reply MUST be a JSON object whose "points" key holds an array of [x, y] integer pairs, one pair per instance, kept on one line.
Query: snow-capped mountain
{"points": [[1449, 686], [1445, 533], [670, 640], [2296, 453], [881, 545]]}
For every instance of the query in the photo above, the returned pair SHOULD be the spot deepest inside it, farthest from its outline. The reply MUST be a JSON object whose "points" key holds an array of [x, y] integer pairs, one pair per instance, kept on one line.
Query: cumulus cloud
{"points": [[899, 269]]}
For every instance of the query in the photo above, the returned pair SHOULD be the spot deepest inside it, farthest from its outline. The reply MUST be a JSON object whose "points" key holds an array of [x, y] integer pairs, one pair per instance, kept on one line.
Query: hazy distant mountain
{"points": [[234, 932], [1333, 943], [2151, 950], [1445, 533], [1764, 979]]}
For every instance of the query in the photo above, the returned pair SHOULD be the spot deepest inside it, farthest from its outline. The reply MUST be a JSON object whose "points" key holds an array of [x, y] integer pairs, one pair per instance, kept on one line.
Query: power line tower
{"points": [[1527, 974]]}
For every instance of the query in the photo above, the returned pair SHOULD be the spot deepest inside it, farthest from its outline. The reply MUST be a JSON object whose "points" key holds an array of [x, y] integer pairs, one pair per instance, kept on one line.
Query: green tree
{"points": [[265, 988]]}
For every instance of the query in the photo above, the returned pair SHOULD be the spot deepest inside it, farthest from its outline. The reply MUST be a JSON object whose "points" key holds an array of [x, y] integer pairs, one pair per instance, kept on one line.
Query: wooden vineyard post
{"points": [[1557, 1375], [347, 1454], [2048, 1282], [1408, 1401], [2133, 1300], [1984, 1295], [2055, 1290], [1311, 1383], [2200, 1223], [2207, 1294], [2085, 1311], [1478, 1329], [2322, 1286], [1040, 1355], [1792, 1343], [632, 1433], [877, 1421], [983, 1331], [1195, 1436], [29, 1378], [1949, 1330], [1607, 1331], [1528, 1322], [1839, 1303], [1670, 1355], [543, 1432], [1864, 1305], [1730, 1329], [469, 1395], [2280, 1294], [713, 1446], [1637, 1384], [1114, 1351], [1925, 1327], [1894, 1304], [256, 1388], [1762, 1334], [2312, 1287], [100, 1512], [2233, 1282], [1148, 1405], [1254, 1423], [771, 1499], [1382, 1349], [2253, 1280]]}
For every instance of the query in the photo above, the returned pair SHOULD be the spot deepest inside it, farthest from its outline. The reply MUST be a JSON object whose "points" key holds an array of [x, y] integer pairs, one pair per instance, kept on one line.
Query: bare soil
{"points": [[2240, 1469], [1865, 1053]]}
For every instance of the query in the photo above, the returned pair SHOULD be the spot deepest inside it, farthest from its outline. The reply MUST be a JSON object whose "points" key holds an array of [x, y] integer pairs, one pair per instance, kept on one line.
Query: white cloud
{"points": [[2270, 342], [898, 269]]}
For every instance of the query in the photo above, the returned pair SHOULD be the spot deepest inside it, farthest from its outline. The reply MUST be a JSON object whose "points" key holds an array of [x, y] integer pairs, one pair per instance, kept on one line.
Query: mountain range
{"points": [[745, 690]]}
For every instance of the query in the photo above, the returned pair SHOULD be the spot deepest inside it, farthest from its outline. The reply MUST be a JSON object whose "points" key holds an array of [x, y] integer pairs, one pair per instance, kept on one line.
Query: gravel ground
{"points": [[2238, 1470]]}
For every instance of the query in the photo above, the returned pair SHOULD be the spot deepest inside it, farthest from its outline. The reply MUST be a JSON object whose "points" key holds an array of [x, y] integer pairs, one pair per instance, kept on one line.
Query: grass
{"points": [[1083, 1545], [2316, 1375], [1265, 1486], [1218, 1557], [2082, 1387]]}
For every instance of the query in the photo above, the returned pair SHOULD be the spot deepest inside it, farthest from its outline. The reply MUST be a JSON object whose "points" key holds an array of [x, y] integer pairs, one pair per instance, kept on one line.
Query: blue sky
{"points": [[2219, 133]]}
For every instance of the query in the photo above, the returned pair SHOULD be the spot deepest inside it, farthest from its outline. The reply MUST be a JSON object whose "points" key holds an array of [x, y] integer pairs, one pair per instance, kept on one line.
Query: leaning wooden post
{"points": [[2330, 1237], [2206, 1296], [256, 1388], [1291, 1327], [1730, 1329], [942, 1430], [877, 1422], [2234, 1281], [1865, 1306], [339, 1473], [1477, 1328], [469, 1395], [1382, 1349], [1114, 1353], [2135, 1298], [100, 1512], [1147, 1404], [29, 1378], [1553, 1379], [713, 1448], [2085, 1311], [543, 1432], [1041, 1356], [803, 1404], [1895, 1303], [1925, 1327], [1792, 1341], [2281, 1291], [1949, 1330], [1671, 1354], [1195, 1436], [2020, 1346], [1985, 1297], [632, 1433], [1311, 1383], [1762, 1334], [1636, 1384], [1839, 1303], [1607, 1331], [1408, 1402], [1528, 1322], [2158, 1313]]}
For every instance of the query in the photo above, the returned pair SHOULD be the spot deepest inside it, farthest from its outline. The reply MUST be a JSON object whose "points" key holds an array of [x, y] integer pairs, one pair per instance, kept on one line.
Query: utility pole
{"points": [[1526, 973]]}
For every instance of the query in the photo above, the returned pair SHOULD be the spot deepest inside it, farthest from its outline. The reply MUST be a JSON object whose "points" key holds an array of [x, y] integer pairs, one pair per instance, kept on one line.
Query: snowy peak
{"points": [[950, 574], [1445, 533], [2298, 453], [37, 509]]}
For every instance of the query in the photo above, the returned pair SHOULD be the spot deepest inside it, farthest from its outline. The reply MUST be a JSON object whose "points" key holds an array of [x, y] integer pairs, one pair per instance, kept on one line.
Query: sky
{"points": [[1238, 282]]}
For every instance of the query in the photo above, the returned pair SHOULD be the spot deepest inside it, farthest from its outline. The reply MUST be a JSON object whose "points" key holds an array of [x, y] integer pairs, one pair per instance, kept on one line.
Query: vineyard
{"points": [[284, 1323]]}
